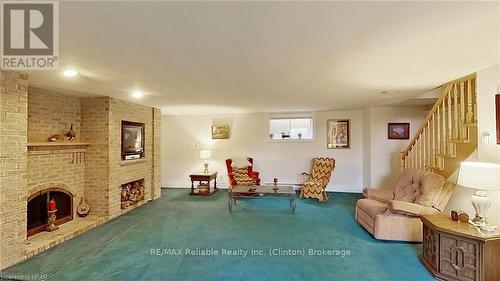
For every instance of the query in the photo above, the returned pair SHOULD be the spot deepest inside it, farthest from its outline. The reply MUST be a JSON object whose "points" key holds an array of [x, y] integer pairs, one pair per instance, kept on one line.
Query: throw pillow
{"points": [[240, 162]]}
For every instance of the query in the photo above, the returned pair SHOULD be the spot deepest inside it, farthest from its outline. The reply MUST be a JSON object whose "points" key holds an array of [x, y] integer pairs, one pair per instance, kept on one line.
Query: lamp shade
{"points": [[205, 154], [479, 175]]}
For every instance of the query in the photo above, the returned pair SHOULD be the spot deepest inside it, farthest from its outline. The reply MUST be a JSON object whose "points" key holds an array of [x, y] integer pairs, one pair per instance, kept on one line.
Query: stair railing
{"points": [[448, 123]]}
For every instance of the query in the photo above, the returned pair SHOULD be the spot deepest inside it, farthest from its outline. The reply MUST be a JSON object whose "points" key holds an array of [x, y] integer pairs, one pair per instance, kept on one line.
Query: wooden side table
{"points": [[459, 251], [204, 178]]}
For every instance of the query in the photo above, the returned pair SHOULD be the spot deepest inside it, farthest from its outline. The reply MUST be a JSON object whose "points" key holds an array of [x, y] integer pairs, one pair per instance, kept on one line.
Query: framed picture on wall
{"points": [[220, 132], [338, 133], [497, 103], [399, 131]]}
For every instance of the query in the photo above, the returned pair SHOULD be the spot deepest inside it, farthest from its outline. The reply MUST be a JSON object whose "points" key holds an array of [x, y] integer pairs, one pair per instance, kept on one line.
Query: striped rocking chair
{"points": [[315, 183]]}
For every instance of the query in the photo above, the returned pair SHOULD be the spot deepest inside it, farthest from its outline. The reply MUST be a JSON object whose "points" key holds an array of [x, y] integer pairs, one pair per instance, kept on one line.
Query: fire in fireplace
{"points": [[132, 193], [38, 207]]}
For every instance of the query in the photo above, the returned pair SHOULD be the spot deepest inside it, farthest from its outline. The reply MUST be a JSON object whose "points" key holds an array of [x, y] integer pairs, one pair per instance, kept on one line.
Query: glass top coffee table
{"points": [[261, 191]]}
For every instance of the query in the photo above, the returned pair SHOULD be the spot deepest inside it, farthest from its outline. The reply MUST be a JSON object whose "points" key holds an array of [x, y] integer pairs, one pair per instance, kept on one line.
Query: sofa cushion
{"points": [[409, 185], [444, 196], [377, 194], [410, 209], [430, 189], [372, 207]]}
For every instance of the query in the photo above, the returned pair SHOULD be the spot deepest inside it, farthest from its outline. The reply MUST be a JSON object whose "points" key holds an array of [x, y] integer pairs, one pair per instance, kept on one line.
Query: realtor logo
{"points": [[30, 35]]}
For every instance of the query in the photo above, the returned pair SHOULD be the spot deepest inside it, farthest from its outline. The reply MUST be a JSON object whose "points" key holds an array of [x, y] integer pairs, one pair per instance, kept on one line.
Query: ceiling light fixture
{"points": [[70, 73], [137, 94]]}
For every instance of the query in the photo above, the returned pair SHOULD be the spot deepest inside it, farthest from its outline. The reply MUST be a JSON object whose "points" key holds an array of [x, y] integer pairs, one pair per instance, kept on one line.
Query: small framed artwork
{"points": [[338, 133], [399, 131], [497, 103], [220, 132]]}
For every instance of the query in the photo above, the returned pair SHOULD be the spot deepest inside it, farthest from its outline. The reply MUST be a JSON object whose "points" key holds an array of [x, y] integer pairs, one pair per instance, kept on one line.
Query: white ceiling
{"points": [[228, 57]]}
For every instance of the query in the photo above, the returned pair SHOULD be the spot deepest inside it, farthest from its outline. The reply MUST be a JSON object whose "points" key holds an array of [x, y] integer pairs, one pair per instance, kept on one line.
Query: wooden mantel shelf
{"points": [[42, 144]]}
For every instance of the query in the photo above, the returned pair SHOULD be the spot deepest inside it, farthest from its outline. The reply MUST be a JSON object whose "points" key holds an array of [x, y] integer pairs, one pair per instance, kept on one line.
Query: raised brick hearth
{"points": [[89, 168]]}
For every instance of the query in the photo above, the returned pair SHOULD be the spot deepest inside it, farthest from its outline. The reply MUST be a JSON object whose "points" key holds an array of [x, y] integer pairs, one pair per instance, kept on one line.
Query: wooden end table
{"points": [[459, 251], [205, 178]]}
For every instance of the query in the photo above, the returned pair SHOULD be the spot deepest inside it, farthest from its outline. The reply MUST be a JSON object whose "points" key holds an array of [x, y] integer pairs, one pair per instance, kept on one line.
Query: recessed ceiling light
{"points": [[137, 94], [70, 73]]}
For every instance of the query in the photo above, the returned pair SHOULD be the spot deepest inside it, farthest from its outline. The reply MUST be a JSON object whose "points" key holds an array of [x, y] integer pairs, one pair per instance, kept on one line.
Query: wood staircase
{"points": [[448, 134]]}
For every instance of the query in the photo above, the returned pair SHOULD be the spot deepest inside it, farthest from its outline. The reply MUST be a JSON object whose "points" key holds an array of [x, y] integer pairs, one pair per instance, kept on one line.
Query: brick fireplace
{"points": [[37, 215], [90, 168]]}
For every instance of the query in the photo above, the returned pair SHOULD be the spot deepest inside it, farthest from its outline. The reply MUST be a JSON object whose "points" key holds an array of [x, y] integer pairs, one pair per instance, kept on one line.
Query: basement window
{"points": [[300, 128]]}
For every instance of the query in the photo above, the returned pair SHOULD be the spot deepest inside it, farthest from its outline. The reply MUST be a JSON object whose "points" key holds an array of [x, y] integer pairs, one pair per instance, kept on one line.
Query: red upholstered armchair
{"points": [[251, 173]]}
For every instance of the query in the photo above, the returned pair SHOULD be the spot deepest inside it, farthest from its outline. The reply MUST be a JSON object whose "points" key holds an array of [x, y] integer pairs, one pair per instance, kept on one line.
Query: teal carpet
{"points": [[124, 248]]}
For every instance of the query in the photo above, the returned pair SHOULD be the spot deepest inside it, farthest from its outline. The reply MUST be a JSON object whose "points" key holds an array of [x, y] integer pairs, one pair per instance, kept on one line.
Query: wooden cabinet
{"points": [[459, 251]]}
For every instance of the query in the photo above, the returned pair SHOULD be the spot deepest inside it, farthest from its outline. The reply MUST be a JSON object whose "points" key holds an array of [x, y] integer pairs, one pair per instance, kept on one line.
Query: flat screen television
{"points": [[132, 140]]}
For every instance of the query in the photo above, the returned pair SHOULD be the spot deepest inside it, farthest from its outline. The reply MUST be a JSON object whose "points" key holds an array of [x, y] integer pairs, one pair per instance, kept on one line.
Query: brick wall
{"points": [[95, 130], [126, 171], [95, 171], [157, 155], [13, 166], [105, 171], [53, 167], [51, 113]]}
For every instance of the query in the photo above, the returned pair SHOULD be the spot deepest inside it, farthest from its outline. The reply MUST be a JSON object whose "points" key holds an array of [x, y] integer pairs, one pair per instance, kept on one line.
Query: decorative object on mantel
{"points": [[481, 176], [398, 131], [52, 209], [220, 131], [68, 136], [132, 193], [83, 208]]}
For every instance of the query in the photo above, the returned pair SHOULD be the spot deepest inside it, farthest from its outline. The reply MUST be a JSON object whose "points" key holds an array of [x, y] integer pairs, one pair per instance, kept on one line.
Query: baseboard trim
{"points": [[223, 185]]}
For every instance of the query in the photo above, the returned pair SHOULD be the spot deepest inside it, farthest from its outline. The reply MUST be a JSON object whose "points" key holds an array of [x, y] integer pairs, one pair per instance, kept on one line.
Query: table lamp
{"points": [[205, 155], [481, 176]]}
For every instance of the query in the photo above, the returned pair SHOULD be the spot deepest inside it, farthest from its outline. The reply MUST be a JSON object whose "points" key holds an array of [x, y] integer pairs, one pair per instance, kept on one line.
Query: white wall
{"points": [[372, 159], [384, 154], [185, 135], [488, 84]]}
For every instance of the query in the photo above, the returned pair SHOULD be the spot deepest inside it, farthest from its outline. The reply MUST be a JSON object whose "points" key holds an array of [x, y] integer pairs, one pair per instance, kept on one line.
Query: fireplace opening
{"points": [[38, 207]]}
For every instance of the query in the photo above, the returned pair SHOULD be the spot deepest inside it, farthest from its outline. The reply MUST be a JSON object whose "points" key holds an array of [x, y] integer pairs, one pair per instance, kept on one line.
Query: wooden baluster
{"points": [[463, 131], [438, 137], [474, 100], [470, 114], [402, 160], [456, 127], [443, 129], [415, 155], [424, 149], [411, 159], [449, 126], [421, 144], [429, 148], [433, 150]]}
